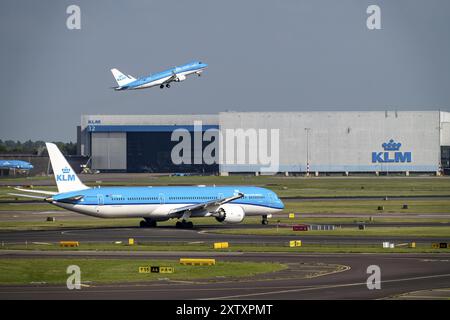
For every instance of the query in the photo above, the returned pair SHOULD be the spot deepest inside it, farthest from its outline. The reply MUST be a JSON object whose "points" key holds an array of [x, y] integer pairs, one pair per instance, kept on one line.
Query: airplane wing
{"points": [[210, 205], [51, 193], [173, 77]]}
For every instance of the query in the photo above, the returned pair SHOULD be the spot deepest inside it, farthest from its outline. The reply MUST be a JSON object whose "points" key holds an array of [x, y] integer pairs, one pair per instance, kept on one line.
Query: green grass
{"points": [[366, 219], [53, 271], [369, 206], [334, 247], [366, 208], [370, 231], [298, 186]]}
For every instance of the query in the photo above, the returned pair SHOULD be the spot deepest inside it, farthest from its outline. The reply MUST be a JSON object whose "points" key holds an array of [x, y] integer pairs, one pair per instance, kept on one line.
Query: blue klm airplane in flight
{"points": [[230, 204], [160, 79], [15, 165]]}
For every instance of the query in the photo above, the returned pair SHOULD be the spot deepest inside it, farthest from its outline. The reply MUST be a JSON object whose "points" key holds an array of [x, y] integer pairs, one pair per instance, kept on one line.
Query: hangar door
{"points": [[151, 152], [108, 150]]}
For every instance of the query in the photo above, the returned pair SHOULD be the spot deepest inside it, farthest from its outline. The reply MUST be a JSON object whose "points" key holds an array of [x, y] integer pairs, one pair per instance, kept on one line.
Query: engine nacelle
{"points": [[230, 213], [181, 77]]}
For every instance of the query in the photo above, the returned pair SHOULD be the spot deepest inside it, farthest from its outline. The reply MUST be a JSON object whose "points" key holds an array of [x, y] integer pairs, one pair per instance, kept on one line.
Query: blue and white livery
{"points": [[15, 165], [161, 79], [228, 204]]}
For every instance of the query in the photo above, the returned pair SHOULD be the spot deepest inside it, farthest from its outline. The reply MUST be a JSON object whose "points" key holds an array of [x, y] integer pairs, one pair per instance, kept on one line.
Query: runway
{"points": [[422, 219], [400, 274], [198, 234]]}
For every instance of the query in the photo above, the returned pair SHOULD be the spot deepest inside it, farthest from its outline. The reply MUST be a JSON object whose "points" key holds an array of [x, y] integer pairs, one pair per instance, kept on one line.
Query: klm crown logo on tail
{"points": [[65, 176], [391, 154]]}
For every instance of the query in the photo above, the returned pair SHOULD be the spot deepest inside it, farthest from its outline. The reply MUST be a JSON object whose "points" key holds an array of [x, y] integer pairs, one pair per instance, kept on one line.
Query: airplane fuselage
{"points": [[176, 74], [15, 164], [156, 203]]}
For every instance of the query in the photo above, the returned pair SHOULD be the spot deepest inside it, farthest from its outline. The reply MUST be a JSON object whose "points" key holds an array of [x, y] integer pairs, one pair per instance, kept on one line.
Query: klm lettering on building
{"points": [[391, 154], [65, 176]]}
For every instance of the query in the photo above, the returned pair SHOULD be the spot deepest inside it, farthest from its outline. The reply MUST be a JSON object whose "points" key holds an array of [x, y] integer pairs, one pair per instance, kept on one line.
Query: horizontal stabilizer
{"points": [[51, 193], [27, 196]]}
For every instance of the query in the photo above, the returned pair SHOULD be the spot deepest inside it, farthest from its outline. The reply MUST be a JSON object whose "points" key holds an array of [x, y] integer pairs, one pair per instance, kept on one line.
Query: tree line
{"points": [[35, 147]]}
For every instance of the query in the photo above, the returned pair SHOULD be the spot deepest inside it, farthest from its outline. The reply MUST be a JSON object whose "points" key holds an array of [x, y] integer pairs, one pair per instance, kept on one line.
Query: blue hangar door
{"points": [[151, 152]]}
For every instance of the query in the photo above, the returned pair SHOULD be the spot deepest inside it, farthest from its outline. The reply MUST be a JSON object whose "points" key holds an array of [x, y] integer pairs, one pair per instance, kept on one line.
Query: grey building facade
{"points": [[295, 142]]}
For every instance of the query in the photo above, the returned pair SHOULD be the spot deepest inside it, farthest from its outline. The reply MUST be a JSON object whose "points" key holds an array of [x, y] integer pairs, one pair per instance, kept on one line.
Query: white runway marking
{"points": [[325, 287]]}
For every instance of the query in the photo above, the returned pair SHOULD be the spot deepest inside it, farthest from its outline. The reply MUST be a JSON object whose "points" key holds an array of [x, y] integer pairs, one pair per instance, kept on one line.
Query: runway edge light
{"points": [[295, 243], [221, 245]]}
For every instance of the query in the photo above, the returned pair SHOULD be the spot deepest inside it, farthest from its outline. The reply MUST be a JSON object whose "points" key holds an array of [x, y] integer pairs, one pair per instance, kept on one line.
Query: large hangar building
{"points": [[305, 142], [139, 143]]}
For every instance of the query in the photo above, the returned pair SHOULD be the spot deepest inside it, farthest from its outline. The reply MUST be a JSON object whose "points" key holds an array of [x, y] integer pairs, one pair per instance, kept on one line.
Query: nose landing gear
{"points": [[264, 220]]}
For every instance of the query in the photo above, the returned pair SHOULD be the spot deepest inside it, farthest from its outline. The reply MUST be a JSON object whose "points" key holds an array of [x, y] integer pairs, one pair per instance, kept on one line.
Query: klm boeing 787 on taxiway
{"points": [[161, 79], [15, 165], [228, 204]]}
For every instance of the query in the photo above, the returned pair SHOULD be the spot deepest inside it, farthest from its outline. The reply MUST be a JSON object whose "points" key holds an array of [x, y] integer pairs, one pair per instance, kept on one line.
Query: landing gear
{"points": [[161, 86], [264, 220], [167, 85], [184, 224], [147, 223]]}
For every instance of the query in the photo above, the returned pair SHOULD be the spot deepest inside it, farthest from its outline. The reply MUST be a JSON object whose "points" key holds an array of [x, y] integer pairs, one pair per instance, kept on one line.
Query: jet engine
{"points": [[181, 77], [230, 213]]}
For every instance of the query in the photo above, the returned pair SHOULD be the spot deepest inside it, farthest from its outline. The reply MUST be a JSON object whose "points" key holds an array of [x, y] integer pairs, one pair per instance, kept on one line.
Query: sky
{"points": [[263, 55]]}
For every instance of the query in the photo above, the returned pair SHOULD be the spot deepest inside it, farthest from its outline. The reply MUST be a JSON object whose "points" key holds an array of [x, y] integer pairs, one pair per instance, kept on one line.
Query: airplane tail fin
{"points": [[65, 177], [122, 80]]}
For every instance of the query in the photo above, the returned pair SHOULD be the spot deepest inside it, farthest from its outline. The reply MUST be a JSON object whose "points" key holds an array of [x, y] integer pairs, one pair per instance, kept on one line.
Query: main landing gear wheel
{"points": [[184, 224], [161, 86], [147, 224], [167, 85], [264, 220]]}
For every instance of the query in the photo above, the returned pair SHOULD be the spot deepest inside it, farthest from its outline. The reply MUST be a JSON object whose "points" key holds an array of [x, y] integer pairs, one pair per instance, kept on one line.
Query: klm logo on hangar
{"points": [[391, 154], [65, 176]]}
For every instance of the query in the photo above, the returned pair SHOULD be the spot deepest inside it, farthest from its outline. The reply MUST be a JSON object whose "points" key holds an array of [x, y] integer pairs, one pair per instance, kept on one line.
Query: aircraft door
{"points": [[162, 198], [100, 200]]}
